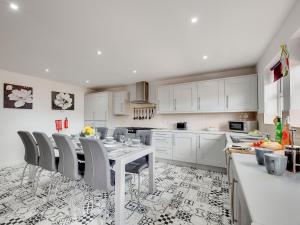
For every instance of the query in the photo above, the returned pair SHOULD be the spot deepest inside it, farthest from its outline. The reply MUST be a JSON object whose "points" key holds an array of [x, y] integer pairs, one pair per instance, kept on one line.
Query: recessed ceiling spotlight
{"points": [[205, 57], [14, 6], [47, 70], [134, 71], [87, 81], [194, 20], [99, 53]]}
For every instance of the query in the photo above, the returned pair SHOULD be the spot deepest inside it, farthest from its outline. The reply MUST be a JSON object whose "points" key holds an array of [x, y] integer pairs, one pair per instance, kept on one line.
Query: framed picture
{"points": [[62, 101], [17, 96]]}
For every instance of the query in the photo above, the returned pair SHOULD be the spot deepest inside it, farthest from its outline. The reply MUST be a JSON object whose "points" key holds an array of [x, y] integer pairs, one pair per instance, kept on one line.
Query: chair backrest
{"points": [[97, 168], [102, 132], [68, 162], [145, 136], [47, 155], [120, 131], [31, 149]]}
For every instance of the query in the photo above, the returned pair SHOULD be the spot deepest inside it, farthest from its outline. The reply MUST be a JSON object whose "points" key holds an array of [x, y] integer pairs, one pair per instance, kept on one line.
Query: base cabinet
{"points": [[239, 212], [210, 150], [163, 143], [206, 149], [184, 147]]}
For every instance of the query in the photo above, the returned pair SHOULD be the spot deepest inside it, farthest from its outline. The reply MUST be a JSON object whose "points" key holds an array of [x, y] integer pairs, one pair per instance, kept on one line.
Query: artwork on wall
{"points": [[17, 96], [62, 101]]}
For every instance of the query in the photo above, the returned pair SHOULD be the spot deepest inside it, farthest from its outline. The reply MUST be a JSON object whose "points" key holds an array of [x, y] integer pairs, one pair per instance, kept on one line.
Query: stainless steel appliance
{"points": [[181, 126], [243, 126]]}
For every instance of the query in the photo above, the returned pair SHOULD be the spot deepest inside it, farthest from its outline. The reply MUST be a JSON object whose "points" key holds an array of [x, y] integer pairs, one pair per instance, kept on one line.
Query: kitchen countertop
{"points": [[189, 131], [271, 200]]}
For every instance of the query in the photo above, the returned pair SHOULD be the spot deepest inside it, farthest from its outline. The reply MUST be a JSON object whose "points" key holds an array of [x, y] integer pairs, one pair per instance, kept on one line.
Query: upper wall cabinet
{"points": [[120, 103], [165, 99], [241, 94], [211, 96], [96, 106], [185, 97], [236, 94]]}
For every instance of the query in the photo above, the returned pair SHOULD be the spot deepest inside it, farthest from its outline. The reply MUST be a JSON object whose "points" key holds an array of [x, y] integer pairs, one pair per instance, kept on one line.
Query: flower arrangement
{"points": [[87, 131]]}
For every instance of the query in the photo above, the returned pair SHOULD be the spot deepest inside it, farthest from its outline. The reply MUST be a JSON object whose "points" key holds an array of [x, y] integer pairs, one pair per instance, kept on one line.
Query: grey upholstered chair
{"points": [[68, 164], [98, 173], [137, 166], [119, 131], [47, 160], [102, 131], [31, 151], [145, 136]]}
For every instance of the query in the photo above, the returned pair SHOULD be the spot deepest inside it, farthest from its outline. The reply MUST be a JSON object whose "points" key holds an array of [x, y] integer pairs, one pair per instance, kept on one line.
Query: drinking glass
{"points": [[122, 139]]}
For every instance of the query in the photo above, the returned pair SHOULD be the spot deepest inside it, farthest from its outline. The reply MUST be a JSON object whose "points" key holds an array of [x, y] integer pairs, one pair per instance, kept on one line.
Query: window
{"points": [[273, 102], [295, 96]]}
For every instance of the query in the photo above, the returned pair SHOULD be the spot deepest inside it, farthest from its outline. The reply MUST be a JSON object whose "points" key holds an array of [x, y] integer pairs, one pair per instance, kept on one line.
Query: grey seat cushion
{"points": [[137, 166], [113, 178]]}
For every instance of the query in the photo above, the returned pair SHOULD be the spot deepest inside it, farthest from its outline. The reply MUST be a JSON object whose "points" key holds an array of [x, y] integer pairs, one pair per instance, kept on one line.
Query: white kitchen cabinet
{"points": [[165, 99], [162, 141], [120, 103], [185, 97], [96, 107], [211, 96], [241, 94], [210, 150], [184, 147], [240, 212]]}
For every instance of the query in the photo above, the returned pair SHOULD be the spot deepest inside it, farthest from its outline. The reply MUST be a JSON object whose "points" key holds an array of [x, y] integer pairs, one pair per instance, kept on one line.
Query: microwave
{"points": [[181, 126], [242, 126]]}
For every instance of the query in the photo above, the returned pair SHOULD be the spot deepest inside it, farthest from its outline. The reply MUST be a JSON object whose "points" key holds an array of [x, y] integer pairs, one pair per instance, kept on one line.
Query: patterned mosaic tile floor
{"points": [[184, 196]]}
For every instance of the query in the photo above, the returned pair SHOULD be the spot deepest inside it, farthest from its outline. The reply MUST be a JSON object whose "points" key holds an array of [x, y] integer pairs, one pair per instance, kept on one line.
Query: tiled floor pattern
{"points": [[184, 196]]}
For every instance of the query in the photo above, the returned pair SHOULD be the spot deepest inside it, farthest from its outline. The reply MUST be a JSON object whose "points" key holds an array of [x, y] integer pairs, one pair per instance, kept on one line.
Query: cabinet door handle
{"points": [[227, 100], [175, 104], [234, 181], [228, 168], [199, 103]]}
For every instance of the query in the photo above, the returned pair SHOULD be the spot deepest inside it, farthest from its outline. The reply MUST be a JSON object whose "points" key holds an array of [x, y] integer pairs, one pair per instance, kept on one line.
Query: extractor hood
{"points": [[139, 93]]}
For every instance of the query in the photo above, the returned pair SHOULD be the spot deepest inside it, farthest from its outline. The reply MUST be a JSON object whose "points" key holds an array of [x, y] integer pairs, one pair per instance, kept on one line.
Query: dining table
{"points": [[122, 154]]}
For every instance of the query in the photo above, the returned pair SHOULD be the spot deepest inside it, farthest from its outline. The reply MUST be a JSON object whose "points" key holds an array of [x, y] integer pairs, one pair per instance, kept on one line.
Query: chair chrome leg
{"points": [[37, 180], [51, 186], [23, 174], [139, 189], [57, 182], [106, 211]]}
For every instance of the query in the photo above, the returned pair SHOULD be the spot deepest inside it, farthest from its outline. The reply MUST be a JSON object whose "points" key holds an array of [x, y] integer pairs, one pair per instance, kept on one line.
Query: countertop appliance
{"points": [[243, 126], [181, 126]]}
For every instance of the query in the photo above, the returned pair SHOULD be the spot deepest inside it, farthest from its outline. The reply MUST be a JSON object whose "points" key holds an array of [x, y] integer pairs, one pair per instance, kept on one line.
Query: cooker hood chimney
{"points": [[139, 93]]}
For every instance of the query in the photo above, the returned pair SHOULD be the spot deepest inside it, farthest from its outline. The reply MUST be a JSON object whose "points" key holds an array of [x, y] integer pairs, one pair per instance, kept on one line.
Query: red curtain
{"points": [[277, 71]]}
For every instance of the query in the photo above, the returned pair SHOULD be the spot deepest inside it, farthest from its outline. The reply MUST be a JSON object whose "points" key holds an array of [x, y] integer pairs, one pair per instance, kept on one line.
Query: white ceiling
{"points": [[154, 37]]}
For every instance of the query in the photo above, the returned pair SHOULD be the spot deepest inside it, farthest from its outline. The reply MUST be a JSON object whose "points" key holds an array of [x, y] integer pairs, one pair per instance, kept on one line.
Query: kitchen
{"points": [[181, 105]]}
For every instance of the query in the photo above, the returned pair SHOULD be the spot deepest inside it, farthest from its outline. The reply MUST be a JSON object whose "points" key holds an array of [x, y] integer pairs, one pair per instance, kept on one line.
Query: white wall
{"points": [[289, 30], [40, 118], [271, 54]]}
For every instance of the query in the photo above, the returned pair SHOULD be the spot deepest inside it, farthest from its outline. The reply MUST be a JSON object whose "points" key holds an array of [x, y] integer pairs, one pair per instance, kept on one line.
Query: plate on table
{"points": [[111, 145], [135, 145], [109, 142]]}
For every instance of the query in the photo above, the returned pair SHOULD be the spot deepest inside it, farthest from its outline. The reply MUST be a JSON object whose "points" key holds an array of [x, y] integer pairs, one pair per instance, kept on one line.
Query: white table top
{"points": [[271, 200], [117, 152]]}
